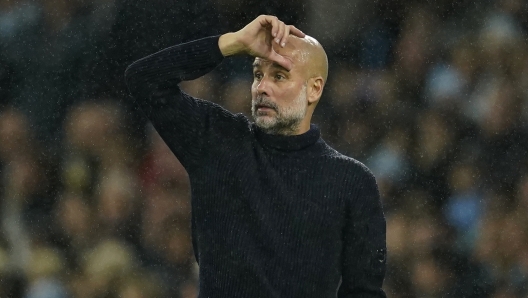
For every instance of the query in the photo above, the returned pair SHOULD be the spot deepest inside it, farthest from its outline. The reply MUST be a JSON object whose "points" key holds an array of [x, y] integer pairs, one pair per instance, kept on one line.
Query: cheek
{"points": [[287, 97]]}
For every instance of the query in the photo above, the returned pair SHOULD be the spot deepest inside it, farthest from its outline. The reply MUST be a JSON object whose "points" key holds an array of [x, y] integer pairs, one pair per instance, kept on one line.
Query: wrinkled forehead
{"points": [[265, 63], [295, 56]]}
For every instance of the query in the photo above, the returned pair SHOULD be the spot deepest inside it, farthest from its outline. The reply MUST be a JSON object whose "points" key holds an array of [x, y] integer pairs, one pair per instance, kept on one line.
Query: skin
{"points": [[289, 71]]}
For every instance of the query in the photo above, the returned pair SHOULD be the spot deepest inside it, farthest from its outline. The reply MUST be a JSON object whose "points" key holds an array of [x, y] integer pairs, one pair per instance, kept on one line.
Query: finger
{"points": [[285, 37], [280, 60], [296, 32], [280, 33], [274, 22]]}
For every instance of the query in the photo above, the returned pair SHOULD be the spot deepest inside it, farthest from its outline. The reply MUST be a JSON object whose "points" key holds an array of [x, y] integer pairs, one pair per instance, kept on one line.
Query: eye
{"points": [[279, 77], [257, 76]]}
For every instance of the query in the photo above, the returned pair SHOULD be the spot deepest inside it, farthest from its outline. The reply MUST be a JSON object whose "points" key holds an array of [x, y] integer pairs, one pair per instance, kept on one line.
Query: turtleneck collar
{"points": [[288, 143]]}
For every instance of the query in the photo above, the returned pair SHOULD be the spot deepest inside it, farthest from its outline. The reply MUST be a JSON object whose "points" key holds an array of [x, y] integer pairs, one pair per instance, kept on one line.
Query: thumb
{"points": [[281, 60]]}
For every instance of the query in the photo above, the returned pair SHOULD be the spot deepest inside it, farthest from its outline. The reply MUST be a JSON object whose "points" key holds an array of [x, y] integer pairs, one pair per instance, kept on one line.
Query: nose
{"points": [[263, 87]]}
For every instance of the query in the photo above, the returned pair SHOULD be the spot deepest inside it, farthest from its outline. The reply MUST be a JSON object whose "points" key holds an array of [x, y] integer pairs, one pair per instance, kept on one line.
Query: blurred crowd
{"points": [[433, 97]]}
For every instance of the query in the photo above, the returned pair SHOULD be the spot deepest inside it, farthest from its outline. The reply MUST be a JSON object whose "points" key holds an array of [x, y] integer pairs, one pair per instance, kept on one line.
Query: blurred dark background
{"points": [[431, 95]]}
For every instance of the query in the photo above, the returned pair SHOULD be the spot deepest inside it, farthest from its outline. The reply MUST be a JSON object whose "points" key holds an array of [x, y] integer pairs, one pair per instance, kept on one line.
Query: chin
{"points": [[265, 122]]}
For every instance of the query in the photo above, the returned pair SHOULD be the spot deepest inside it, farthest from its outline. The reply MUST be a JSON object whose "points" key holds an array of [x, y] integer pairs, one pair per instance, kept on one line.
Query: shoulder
{"points": [[355, 179], [222, 119], [230, 130], [346, 163], [358, 183]]}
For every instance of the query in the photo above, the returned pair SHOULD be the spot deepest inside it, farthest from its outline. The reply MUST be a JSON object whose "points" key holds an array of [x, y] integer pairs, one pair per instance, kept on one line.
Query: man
{"points": [[276, 212]]}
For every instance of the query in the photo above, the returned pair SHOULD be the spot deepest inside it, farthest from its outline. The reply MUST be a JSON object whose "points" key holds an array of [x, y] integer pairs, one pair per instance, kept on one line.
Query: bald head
{"points": [[313, 55], [306, 54]]}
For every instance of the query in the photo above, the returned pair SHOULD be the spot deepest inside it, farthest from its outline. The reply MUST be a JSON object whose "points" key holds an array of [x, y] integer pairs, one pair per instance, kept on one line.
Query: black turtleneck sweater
{"points": [[272, 215]]}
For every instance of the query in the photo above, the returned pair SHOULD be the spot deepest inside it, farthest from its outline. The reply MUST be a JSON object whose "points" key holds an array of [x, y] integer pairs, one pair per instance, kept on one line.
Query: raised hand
{"points": [[258, 38]]}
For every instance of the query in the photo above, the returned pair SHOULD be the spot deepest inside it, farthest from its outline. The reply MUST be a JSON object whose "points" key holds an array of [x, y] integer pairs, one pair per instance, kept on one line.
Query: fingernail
{"points": [[283, 44], [277, 40], [274, 34]]}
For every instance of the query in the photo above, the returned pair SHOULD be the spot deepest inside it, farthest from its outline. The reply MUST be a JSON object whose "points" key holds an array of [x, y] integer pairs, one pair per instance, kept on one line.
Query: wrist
{"points": [[229, 44]]}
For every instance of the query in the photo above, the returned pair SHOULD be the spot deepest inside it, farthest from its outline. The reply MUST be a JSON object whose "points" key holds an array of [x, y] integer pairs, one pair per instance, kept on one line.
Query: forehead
{"points": [[292, 51], [261, 63]]}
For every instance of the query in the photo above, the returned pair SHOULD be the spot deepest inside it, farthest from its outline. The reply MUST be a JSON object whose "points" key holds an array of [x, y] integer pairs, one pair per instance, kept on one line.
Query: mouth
{"points": [[264, 108]]}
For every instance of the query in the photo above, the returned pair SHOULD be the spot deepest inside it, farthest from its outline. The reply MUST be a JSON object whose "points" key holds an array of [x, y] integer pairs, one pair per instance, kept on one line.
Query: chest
{"points": [[274, 188]]}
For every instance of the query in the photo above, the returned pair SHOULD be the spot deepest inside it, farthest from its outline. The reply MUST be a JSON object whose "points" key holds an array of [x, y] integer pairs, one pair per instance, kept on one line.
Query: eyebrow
{"points": [[274, 65]]}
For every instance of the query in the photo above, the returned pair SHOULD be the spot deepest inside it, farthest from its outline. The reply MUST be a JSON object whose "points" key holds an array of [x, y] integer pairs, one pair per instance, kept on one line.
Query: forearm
{"points": [[230, 45], [168, 67]]}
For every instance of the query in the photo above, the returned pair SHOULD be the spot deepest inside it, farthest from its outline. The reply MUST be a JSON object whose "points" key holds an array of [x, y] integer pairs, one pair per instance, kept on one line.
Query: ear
{"points": [[315, 89]]}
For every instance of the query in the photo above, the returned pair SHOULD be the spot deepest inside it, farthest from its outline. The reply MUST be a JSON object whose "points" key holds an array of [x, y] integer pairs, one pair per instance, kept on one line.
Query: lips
{"points": [[265, 107]]}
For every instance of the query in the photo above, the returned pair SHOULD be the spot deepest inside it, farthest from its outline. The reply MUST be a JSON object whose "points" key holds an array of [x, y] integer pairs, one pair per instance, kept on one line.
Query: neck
{"points": [[305, 124], [288, 142], [303, 128], [291, 130]]}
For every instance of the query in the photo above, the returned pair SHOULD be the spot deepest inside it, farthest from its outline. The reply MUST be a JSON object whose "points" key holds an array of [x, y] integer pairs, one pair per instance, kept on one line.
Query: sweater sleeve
{"points": [[364, 249], [188, 125]]}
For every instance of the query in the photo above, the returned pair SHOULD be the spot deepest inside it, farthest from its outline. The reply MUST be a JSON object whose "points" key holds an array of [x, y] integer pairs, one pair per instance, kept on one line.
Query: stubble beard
{"points": [[285, 121]]}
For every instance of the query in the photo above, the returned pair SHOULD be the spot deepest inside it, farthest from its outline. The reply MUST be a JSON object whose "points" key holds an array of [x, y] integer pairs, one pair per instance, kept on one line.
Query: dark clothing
{"points": [[272, 215]]}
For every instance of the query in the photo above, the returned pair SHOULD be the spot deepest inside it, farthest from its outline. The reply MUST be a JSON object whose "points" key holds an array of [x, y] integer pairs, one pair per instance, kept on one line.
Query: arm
{"points": [[364, 249], [182, 121], [185, 123]]}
